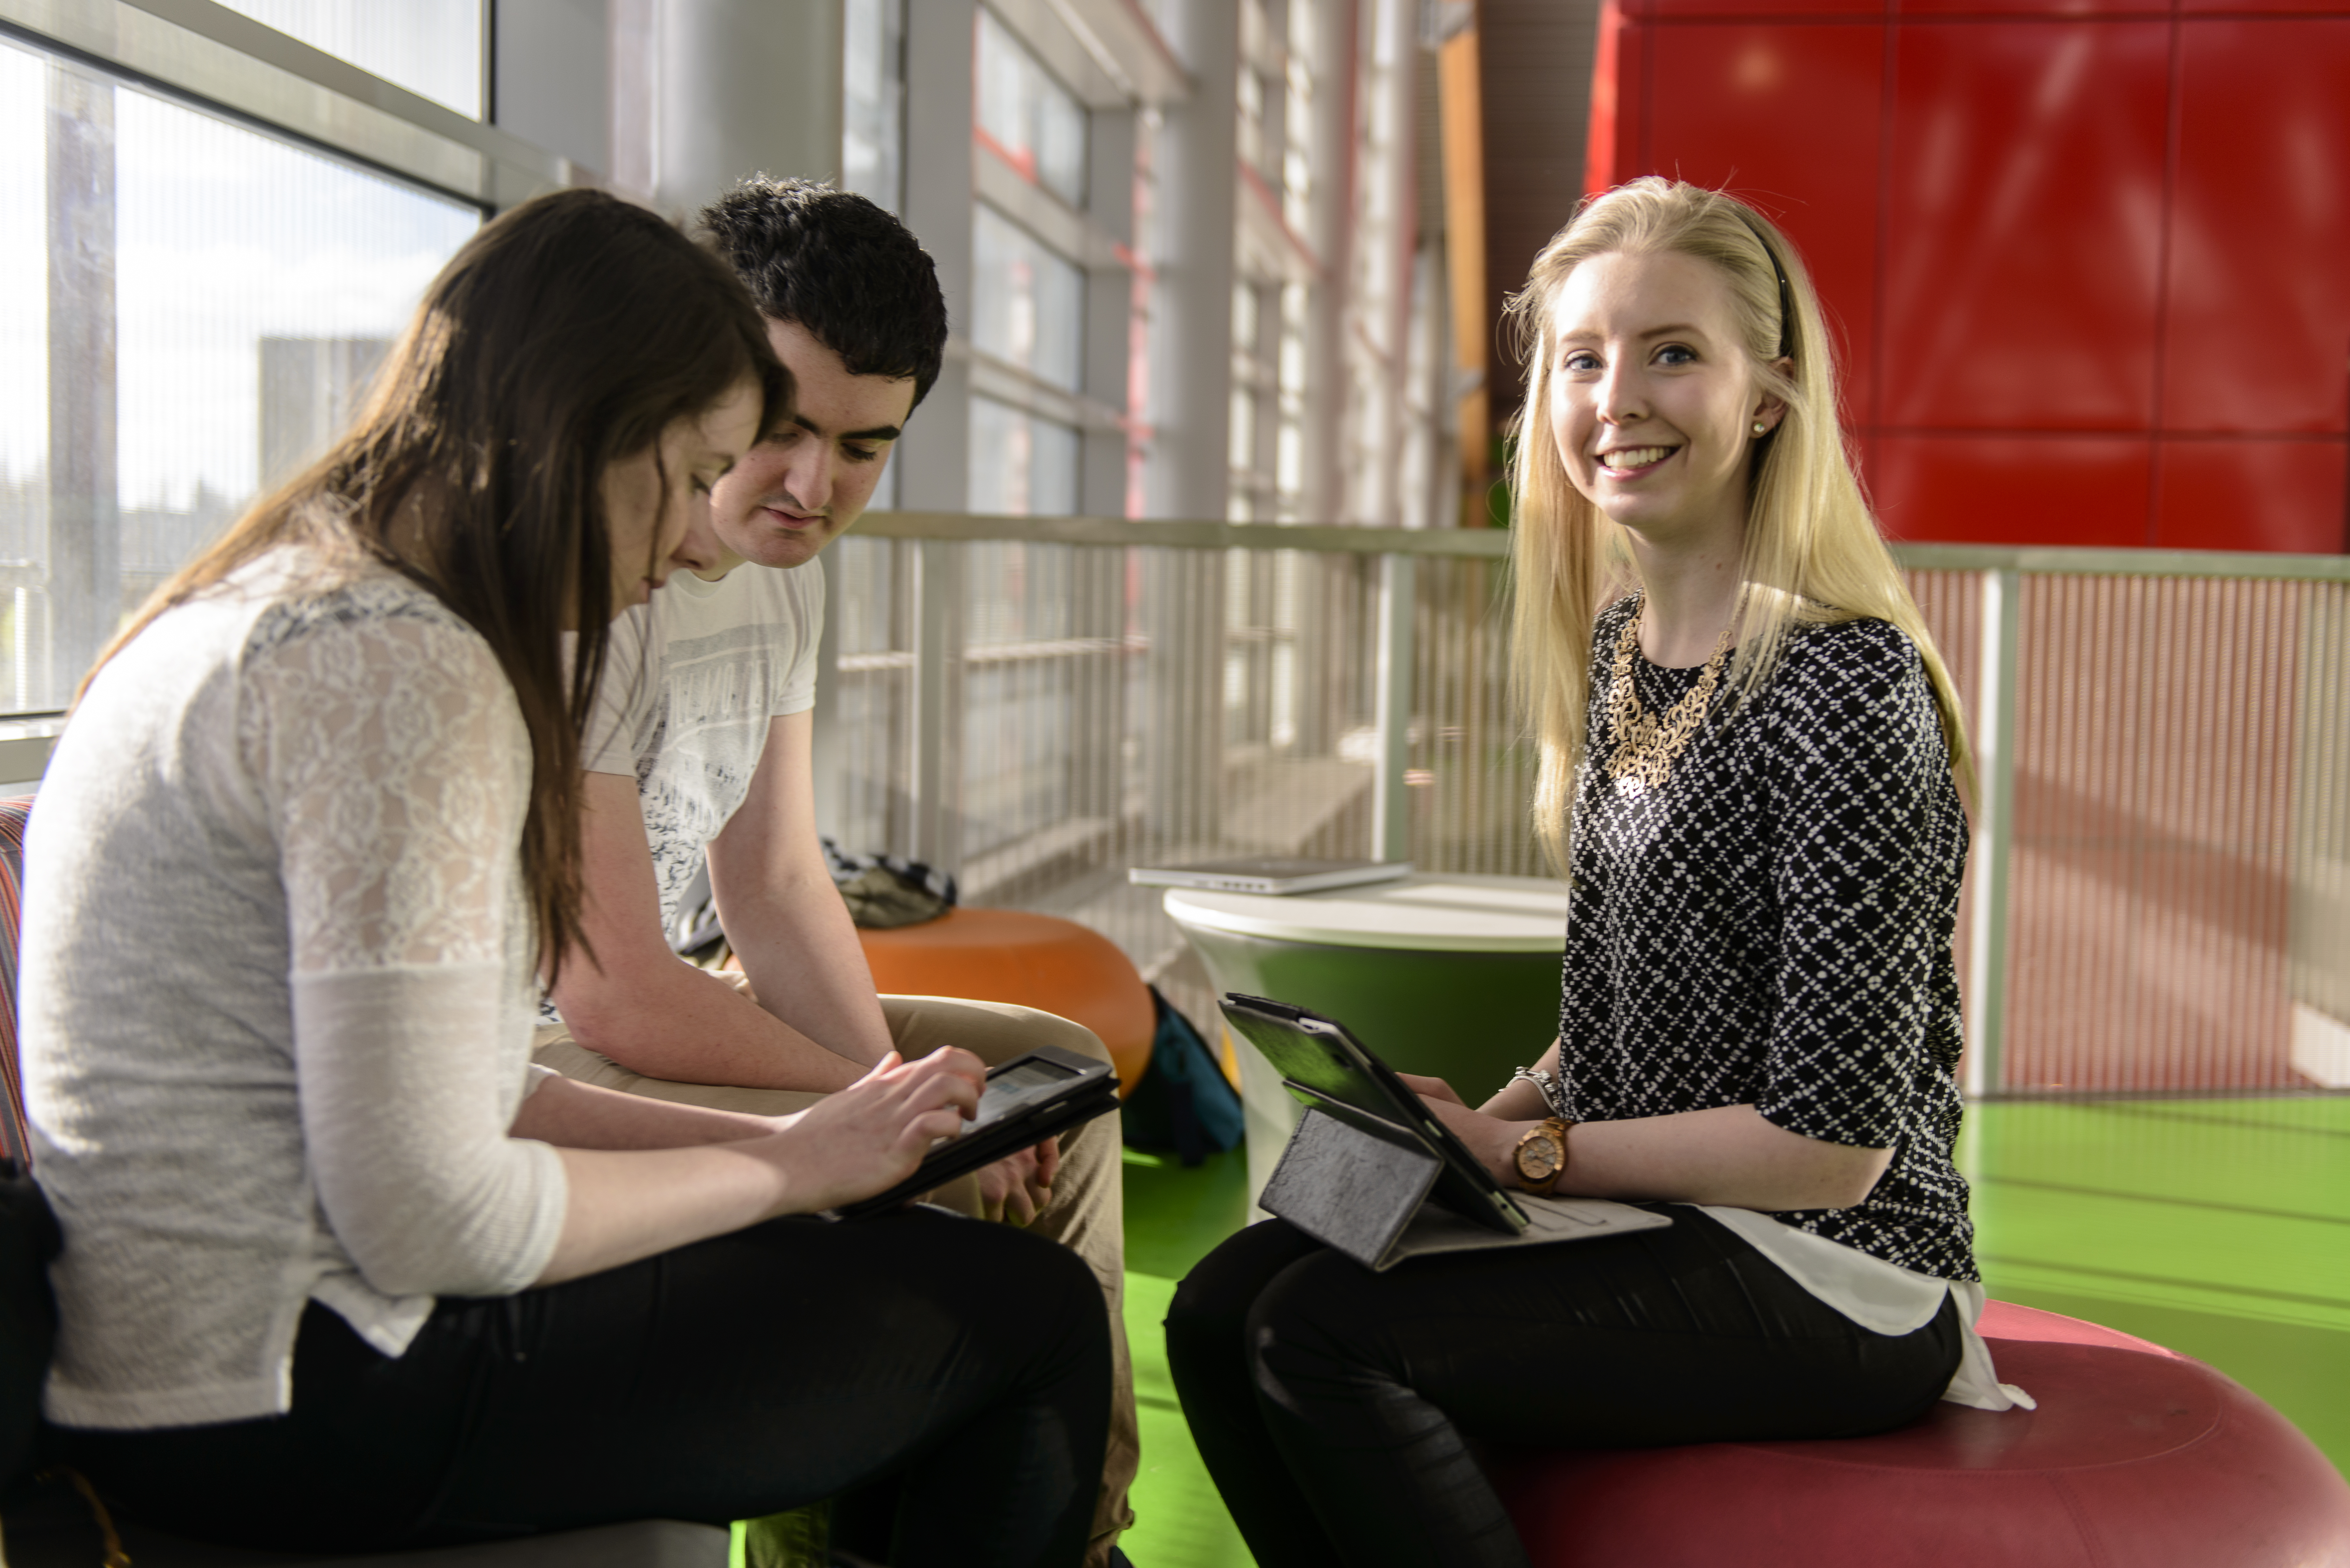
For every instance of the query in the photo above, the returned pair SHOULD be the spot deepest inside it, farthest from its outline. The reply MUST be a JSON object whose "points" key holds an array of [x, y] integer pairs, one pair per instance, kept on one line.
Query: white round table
{"points": [[1455, 976]]}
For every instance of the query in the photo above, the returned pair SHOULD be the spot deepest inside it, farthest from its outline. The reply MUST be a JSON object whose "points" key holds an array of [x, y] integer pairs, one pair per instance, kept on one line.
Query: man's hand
{"points": [[1015, 1188]]}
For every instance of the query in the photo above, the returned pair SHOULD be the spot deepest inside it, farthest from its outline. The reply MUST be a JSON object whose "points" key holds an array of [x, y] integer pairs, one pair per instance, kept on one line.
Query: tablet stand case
{"points": [[1361, 1184]]}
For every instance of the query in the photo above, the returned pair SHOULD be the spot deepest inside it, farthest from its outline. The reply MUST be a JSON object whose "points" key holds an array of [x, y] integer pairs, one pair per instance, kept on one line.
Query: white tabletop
{"points": [[1428, 914]]}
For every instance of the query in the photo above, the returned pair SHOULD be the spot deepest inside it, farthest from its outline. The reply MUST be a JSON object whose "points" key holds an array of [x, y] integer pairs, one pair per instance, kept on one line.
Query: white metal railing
{"points": [[2158, 889], [2158, 894]]}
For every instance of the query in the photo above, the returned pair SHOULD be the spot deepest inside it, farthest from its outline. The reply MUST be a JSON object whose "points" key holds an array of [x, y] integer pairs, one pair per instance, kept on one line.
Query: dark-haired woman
{"points": [[1749, 745], [340, 1271]]}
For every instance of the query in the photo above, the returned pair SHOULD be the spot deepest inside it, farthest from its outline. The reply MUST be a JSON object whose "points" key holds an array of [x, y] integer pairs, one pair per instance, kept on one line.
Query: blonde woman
{"points": [[1750, 753]]}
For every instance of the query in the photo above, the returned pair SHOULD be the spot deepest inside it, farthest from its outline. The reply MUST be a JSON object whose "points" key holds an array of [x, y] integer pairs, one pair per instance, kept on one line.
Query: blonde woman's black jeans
{"points": [[1336, 1408]]}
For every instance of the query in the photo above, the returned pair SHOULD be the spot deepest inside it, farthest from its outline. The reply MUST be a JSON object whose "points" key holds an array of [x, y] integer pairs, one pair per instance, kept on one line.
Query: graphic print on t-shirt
{"points": [[690, 681]]}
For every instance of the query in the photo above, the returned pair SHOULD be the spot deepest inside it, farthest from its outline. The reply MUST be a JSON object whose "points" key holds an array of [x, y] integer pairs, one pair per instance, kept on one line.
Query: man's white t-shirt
{"points": [[691, 680]]}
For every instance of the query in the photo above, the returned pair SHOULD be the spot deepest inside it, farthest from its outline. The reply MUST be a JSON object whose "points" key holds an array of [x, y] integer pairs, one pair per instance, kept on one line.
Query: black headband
{"points": [[1786, 295]]}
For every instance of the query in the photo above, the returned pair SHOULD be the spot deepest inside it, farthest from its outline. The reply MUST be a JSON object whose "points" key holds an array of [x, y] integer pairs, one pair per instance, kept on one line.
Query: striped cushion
{"points": [[12, 816]]}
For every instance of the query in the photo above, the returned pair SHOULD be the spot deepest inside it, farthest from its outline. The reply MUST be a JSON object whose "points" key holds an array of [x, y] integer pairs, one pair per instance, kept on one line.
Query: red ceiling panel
{"points": [[2025, 194], [2251, 495], [2258, 321], [1989, 490], [1789, 118]]}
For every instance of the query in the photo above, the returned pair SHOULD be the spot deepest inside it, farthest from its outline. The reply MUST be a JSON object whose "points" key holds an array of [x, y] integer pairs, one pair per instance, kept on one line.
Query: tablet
{"points": [[1328, 1068], [1027, 1100]]}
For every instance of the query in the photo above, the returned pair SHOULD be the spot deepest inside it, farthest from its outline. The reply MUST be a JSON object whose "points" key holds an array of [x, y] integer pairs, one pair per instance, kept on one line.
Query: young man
{"points": [[699, 754]]}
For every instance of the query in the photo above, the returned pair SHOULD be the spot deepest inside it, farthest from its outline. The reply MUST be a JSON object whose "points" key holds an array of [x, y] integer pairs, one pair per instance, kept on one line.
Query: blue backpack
{"points": [[1184, 1105]]}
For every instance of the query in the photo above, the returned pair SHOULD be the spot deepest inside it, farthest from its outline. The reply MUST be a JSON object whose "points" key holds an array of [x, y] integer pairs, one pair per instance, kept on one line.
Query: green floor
{"points": [[2219, 1227], [1173, 1216]]}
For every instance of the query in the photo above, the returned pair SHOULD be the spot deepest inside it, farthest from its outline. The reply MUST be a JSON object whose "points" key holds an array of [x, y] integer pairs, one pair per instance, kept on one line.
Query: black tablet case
{"points": [[1094, 1096], [1364, 1185]]}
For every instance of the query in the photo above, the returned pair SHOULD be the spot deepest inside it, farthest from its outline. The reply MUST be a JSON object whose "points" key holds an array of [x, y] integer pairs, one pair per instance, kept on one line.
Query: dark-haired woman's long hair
{"points": [[568, 334]]}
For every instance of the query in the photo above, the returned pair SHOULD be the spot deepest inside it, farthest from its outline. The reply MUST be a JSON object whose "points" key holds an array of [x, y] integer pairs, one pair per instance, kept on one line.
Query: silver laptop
{"points": [[1274, 874]]}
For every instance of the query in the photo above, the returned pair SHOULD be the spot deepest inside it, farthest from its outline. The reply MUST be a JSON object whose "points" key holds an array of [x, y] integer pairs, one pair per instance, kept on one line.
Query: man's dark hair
{"points": [[837, 265]]}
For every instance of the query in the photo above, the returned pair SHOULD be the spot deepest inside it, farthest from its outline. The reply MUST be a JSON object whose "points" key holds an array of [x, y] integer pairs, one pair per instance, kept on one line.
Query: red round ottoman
{"points": [[1035, 961], [2137, 1458]]}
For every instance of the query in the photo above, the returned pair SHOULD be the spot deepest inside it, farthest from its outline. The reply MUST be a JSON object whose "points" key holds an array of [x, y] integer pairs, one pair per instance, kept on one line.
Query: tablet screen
{"points": [[1319, 1057], [1016, 1087]]}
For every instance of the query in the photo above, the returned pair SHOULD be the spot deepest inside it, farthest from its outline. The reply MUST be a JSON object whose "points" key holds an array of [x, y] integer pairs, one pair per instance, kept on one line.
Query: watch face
{"points": [[1538, 1156]]}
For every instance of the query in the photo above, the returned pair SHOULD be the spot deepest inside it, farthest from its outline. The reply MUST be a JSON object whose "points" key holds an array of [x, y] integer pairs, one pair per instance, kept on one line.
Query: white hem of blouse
{"points": [[1881, 1297]]}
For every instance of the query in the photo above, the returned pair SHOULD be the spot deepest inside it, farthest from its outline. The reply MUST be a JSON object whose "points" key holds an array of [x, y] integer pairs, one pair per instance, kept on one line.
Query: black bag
{"points": [[30, 1238], [1183, 1103], [882, 893]]}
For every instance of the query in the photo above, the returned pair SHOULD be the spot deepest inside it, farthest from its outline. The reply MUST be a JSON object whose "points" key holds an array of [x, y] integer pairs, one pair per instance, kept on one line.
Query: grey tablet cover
{"points": [[1361, 1186]]}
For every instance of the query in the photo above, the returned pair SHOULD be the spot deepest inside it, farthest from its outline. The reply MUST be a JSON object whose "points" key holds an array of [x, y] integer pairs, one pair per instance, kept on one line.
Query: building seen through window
{"points": [[191, 308]]}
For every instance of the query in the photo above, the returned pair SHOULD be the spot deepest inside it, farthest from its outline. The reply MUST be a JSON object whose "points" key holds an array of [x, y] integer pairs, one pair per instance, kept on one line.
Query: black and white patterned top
{"points": [[1772, 925]]}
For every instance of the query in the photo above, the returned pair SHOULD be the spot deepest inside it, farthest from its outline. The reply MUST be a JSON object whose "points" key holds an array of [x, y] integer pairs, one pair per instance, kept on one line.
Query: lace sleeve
{"points": [[396, 772]]}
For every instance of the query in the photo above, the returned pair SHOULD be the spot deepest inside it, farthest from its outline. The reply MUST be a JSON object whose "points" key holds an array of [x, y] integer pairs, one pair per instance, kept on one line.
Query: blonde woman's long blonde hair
{"points": [[1813, 552]]}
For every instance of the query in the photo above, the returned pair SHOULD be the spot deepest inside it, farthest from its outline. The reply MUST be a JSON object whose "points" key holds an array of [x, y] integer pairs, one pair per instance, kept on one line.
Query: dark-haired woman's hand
{"points": [[871, 1135]]}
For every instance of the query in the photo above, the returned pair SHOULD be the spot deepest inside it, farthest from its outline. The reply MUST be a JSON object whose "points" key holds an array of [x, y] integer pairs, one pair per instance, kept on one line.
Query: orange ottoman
{"points": [[1035, 960]]}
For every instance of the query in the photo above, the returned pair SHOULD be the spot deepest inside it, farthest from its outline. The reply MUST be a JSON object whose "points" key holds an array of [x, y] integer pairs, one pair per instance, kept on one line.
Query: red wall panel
{"points": [[2259, 320], [1929, 8], [2251, 495], [1774, 111], [2236, 8], [2026, 193], [2034, 220], [1742, 9], [1995, 490]]}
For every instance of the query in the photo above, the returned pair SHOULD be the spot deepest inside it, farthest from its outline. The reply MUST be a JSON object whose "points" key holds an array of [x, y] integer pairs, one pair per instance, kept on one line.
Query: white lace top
{"points": [[277, 998]]}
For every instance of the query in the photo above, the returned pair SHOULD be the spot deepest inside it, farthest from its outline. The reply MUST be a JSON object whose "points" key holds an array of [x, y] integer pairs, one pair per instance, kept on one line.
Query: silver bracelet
{"points": [[1554, 1094]]}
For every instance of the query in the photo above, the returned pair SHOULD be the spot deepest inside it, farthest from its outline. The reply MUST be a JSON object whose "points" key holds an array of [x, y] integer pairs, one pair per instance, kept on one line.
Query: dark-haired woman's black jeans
{"points": [[1335, 1406], [956, 1369]]}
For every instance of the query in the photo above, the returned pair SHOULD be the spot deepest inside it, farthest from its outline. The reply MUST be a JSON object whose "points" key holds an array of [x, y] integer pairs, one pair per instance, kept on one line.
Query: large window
{"points": [[431, 48], [1277, 271], [1028, 299], [1021, 466], [1027, 302], [1037, 124], [872, 124], [188, 310]]}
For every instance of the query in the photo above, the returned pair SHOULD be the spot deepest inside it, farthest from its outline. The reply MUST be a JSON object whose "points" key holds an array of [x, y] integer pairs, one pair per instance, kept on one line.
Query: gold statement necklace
{"points": [[1646, 745]]}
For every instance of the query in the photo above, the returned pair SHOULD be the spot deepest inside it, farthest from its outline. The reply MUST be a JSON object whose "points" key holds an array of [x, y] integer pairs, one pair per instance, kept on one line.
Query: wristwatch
{"points": [[1541, 1155]]}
